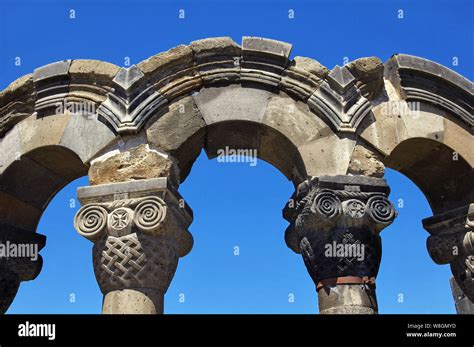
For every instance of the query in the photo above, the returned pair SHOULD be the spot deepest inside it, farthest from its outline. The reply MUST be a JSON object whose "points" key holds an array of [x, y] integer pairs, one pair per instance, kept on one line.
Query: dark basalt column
{"points": [[451, 241], [335, 225], [19, 261]]}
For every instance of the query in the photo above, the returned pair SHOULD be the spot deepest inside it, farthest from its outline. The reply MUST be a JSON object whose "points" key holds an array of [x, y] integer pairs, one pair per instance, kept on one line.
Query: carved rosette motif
{"points": [[452, 242], [137, 239], [335, 224]]}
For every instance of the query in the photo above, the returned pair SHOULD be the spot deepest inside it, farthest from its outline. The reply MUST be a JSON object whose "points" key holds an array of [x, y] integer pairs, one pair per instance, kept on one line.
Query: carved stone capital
{"points": [[136, 260], [451, 241], [9, 284], [139, 230], [335, 222], [19, 261]]}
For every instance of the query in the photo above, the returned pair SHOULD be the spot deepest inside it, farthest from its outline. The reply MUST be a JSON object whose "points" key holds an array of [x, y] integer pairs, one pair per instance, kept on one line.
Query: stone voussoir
{"points": [[173, 73], [302, 77], [217, 60], [16, 102]]}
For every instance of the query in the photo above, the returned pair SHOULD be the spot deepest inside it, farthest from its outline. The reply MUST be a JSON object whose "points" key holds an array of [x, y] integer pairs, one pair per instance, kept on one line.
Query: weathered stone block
{"points": [[181, 132], [12, 111], [94, 136], [217, 60], [369, 75], [135, 164], [302, 77], [45, 131], [100, 72], [173, 73], [293, 119], [232, 103], [263, 60], [366, 162]]}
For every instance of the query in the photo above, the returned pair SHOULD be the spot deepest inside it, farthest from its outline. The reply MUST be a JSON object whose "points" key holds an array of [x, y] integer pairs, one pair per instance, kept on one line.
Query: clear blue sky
{"points": [[235, 204]]}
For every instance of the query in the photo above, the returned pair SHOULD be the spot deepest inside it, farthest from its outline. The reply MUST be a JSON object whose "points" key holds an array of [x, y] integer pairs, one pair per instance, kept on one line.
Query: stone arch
{"points": [[444, 177], [308, 121]]}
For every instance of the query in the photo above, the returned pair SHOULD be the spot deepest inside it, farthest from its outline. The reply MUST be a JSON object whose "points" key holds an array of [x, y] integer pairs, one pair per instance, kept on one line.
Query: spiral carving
{"points": [[91, 221], [327, 203], [381, 209], [149, 214]]}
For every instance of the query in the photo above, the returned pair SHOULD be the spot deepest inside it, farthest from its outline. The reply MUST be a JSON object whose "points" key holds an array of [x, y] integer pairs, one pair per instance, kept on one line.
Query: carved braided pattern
{"points": [[135, 261], [345, 194], [320, 266], [123, 257]]}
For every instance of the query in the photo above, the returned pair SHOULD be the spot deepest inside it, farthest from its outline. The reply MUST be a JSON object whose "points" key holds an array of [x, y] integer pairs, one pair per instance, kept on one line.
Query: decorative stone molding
{"points": [[451, 241], [119, 217], [340, 101], [52, 84], [335, 224], [264, 60], [217, 60], [420, 79], [132, 102], [126, 98], [139, 230], [295, 112], [328, 202]]}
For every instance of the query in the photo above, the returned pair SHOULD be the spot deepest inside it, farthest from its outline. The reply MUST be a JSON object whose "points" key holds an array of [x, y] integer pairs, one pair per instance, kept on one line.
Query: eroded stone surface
{"points": [[100, 72], [135, 164], [369, 73], [366, 162], [180, 132], [16, 103], [298, 115]]}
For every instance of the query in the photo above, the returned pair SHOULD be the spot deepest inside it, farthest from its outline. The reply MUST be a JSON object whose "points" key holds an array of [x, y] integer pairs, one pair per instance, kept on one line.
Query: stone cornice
{"points": [[418, 79], [125, 98]]}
